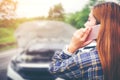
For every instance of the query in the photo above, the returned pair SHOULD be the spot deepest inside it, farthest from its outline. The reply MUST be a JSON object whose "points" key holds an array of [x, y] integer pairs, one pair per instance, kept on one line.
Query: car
{"points": [[42, 30], [37, 42], [32, 63]]}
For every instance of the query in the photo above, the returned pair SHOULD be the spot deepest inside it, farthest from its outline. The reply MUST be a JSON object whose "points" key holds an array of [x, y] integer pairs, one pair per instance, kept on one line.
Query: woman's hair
{"points": [[108, 41]]}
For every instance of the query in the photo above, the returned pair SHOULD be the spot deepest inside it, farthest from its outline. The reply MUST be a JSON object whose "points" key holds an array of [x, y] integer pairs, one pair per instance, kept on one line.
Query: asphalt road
{"points": [[5, 57]]}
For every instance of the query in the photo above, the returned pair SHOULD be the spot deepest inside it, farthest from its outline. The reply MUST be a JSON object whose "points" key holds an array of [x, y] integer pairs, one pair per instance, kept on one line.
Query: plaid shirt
{"points": [[83, 65]]}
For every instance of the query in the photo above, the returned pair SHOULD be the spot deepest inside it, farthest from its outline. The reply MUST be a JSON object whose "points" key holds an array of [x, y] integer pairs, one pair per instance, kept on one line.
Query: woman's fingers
{"points": [[82, 33], [79, 39], [87, 42], [77, 34], [85, 34]]}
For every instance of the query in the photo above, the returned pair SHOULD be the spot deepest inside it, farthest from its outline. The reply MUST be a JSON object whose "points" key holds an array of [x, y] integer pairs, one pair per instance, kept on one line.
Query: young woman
{"points": [[101, 62]]}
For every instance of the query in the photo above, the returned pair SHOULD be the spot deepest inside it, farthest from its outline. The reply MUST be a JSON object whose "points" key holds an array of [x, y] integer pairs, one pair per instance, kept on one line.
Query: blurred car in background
{"points": [[33, 62], [37, 41], [43, 30]]}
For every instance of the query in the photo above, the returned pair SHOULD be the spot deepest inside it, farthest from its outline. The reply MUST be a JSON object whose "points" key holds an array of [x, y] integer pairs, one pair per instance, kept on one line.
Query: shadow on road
{"points": [[5, 57]]}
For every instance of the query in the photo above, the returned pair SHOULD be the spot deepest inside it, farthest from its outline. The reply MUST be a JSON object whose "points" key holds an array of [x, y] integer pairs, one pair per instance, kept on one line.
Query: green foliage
{"points": [[79, 18], [6, 35], [56, 13], [7, 28]]}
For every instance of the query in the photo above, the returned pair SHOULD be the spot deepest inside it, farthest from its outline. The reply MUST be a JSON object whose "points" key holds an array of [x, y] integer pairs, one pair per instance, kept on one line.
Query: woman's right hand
{"points": [[79, 39]]}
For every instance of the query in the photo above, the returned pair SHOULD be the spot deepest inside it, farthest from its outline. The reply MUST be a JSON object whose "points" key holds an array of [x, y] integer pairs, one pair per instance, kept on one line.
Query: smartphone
{"points": [[94, 33]]}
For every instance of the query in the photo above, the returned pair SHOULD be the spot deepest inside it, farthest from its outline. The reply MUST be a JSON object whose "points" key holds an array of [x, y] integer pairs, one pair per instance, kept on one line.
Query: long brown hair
{"points": [[108, 41]]}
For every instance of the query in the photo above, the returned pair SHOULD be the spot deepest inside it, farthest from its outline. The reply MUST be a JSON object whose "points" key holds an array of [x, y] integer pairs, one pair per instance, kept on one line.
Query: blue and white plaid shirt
{"points": [[83, 65]]}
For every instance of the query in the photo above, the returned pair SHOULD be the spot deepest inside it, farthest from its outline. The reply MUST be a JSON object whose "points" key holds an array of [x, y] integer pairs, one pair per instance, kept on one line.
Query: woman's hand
{"points": [[79, 39]]}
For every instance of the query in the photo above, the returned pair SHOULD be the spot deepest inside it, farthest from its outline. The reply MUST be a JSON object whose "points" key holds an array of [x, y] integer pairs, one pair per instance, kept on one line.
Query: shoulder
{"points": [[88, 58], [91, 65]]}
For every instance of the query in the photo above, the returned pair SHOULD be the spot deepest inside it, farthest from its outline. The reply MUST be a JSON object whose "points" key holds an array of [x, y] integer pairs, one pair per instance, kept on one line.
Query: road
{"points": [[5, 57]]}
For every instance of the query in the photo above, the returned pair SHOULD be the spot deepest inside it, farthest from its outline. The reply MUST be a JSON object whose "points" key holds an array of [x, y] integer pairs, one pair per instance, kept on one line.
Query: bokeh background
{"points": [[13, 13]]}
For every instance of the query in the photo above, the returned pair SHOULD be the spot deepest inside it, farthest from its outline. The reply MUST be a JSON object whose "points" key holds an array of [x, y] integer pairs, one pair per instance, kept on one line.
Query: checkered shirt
{"points": [[83, 65]]}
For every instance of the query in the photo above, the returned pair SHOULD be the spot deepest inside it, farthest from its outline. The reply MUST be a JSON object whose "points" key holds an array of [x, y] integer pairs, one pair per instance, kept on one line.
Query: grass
{"points": [[7, 39]]}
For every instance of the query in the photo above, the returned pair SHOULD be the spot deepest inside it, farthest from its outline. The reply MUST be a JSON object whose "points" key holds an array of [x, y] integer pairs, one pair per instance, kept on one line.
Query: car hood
{"points": [[39, 52]]}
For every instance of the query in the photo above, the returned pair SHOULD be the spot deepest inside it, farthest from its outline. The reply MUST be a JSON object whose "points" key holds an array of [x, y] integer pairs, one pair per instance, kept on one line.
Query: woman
{"points": [[101, 62]]}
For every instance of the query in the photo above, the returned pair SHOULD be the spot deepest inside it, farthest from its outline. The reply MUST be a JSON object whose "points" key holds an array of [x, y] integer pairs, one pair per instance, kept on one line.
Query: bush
{"points": [[79, 18]]}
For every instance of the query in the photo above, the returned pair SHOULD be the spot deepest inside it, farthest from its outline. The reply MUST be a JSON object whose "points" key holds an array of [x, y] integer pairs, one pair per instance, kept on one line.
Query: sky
{"points": [[34, 8]]}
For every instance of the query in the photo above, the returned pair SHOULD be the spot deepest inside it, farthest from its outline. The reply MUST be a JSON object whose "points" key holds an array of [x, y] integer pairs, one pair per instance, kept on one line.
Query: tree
{"points": [[56, 13], [7, 9], [78, 18]]}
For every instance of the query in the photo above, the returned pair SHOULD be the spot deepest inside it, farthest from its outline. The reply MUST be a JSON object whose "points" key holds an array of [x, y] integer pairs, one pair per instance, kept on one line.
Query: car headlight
{"points": [[18, 59]]}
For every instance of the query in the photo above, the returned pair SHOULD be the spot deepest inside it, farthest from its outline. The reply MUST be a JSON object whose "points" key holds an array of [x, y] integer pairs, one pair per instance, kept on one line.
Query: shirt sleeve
{"points": [[68, 66], [65, 50]]}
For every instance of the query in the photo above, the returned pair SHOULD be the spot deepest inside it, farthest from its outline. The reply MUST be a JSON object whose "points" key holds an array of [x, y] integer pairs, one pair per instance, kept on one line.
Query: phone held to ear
{"points": [[94, 33]]}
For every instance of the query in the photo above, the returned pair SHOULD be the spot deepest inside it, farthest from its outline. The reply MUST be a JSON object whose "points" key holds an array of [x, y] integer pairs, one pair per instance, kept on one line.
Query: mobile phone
{"points": [[94, 32]]}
